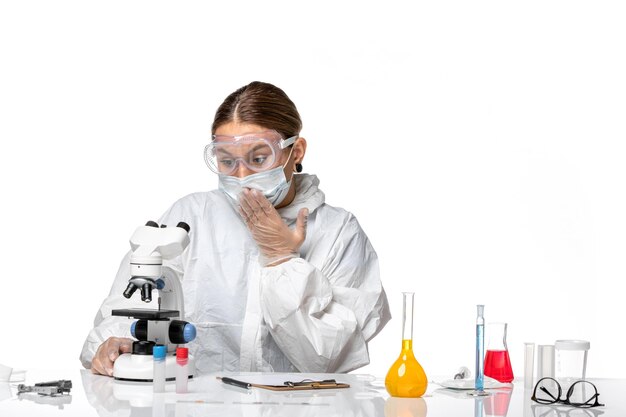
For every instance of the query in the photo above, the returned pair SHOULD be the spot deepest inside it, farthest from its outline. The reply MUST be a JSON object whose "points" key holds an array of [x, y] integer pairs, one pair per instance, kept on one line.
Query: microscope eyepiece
{"points": [[130, 290], [184, 226], [146, 292]]}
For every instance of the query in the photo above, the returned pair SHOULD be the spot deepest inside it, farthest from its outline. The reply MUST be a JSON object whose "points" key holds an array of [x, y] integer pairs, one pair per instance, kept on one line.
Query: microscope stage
{"points": [[145, 313]]}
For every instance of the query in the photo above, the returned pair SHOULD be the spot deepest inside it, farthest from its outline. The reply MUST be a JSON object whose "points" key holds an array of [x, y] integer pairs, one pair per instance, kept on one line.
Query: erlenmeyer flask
{"points": [[497, 359], [406, 377]]}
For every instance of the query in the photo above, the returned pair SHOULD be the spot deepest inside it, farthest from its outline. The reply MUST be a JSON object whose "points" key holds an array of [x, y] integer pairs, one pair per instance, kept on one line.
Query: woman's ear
{"points": [[299, 150]]}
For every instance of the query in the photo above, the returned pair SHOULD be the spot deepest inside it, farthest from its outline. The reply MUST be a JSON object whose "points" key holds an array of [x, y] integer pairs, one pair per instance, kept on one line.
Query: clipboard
{"points": [[305, 384]]}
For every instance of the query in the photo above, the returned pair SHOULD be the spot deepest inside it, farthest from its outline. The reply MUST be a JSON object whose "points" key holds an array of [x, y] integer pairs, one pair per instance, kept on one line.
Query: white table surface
{"points": [[102, 396]]}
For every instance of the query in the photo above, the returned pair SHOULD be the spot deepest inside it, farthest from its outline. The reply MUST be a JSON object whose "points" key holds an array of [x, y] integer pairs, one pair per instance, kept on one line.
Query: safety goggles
{"points": [[257, 151], [582, 394]]}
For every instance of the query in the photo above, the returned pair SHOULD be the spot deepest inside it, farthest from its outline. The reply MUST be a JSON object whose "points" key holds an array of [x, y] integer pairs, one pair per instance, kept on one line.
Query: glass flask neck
{"points": [[496, 336], [407, 316]]}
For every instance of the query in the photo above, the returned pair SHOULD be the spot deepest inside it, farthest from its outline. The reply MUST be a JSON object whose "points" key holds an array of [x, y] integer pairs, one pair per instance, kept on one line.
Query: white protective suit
{"points": [[315, 313]]}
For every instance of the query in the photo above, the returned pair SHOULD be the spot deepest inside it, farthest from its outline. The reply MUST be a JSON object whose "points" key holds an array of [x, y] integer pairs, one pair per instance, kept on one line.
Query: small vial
{"points": [[158, 376], [182, 355]]}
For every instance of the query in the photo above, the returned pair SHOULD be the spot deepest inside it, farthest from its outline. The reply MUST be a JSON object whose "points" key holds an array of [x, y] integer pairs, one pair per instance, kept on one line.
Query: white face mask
{"points": [[273, 184]]}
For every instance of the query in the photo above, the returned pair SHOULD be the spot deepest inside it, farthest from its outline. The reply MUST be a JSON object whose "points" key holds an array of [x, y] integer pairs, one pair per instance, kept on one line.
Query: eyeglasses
{"points": [[257, 151], [581, 394]]}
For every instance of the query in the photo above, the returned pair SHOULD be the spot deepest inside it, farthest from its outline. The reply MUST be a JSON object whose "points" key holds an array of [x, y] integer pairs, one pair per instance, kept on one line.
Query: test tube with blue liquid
{"points": [[158, 379], [479, 382], [480, 349]]}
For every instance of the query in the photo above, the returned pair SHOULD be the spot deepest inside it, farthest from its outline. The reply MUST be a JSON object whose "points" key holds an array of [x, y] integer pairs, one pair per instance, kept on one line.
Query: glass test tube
{"points": [[479, 383], [158, 375]]}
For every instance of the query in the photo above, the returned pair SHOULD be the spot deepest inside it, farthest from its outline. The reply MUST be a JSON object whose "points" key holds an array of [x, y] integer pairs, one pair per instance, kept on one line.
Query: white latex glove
{"points": [[108, 352], [277, 242]]}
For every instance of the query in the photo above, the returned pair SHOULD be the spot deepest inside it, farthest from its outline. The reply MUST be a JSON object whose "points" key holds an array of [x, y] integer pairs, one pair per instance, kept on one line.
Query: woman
{"points": [[274, 279]]}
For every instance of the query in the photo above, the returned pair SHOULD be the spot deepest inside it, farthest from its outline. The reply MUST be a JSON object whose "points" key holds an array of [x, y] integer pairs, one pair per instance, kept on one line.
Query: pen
{"points": [[234, 382]]}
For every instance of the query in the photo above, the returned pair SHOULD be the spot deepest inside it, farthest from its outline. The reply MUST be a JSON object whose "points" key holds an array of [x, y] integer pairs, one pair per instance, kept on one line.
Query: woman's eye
{"points": [[259, 160], [227, 162]]}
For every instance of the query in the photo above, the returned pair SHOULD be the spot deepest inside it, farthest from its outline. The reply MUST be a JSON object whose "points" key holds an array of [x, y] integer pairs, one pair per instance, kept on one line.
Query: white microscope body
{"points": [[152, 244]]}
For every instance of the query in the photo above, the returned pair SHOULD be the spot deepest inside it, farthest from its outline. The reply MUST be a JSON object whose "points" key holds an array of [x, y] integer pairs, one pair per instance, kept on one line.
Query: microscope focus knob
{"points": [[181, 332], [139, 330], [189, 332]]}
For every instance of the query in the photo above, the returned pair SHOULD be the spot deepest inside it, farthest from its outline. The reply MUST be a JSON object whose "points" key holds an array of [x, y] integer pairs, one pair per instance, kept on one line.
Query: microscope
{"points": [[150, 245]]}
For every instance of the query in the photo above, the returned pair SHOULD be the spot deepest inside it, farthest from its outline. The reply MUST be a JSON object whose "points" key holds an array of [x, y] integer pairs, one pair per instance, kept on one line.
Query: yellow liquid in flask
{"points": [[406, 377]]}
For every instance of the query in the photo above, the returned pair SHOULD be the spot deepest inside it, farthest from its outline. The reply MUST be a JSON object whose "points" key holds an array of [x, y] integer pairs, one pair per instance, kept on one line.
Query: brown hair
{"points": [[262, 104]]}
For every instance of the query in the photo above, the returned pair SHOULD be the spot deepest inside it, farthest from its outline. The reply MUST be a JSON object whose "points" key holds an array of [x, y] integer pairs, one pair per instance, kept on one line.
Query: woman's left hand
{"points": [[277, 242]]}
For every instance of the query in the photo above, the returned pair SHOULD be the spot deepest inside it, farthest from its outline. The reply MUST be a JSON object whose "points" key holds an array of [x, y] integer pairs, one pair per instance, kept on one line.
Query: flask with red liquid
{"points": [[497, 359]]}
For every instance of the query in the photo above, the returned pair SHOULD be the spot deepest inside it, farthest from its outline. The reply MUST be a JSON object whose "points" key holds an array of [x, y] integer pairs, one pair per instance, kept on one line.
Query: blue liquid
{"points": [[480, 357]]}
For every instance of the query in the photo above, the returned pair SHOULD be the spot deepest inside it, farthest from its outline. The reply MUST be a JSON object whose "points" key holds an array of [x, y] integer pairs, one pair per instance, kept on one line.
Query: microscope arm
{"points": [[172, 292], [150, 245]]}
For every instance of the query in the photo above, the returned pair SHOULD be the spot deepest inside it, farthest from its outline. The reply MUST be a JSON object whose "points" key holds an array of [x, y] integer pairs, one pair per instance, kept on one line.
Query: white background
{"points": [[479, 143]]}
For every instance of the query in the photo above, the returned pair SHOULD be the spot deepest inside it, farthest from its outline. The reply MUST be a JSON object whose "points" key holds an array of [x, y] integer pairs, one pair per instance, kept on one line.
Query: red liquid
{"points": [[498, 365]]}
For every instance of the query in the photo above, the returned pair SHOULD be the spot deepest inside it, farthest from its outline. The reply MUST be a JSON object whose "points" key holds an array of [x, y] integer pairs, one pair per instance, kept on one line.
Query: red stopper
{"points": [[182, 353]]}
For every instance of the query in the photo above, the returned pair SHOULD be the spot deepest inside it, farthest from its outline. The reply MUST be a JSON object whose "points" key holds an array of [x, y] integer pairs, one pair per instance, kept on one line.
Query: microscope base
{"points": [[139, 368]]}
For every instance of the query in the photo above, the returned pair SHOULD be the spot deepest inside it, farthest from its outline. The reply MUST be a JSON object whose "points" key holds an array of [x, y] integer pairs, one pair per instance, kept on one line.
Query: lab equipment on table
{"points": [[5, 373], [497, 361], [571, 361], [469, 384], [52, 388], [296, 385], [8, 374], [406, 377], [158, 353], [150, 245], [545, 361], [529, 364], [479, 382], [462, 373], [182, 359]]}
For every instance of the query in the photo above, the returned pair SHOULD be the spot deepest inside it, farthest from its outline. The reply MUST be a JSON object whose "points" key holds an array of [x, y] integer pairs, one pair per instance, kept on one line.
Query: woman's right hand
{"points": [[108, 352]]}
